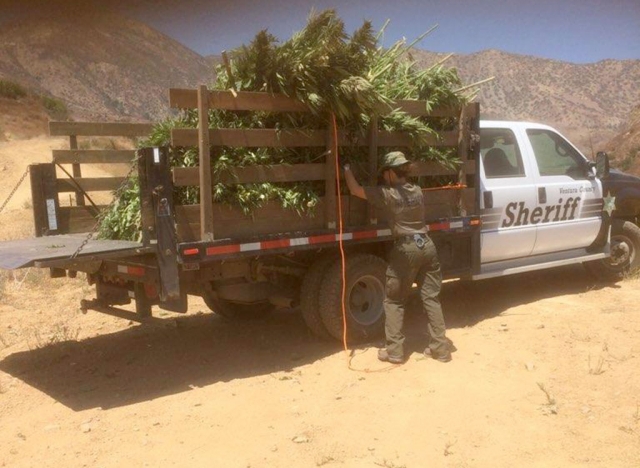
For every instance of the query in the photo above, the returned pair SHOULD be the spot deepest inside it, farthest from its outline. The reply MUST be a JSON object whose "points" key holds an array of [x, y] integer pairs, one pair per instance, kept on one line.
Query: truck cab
{"points": [[541, 202]]}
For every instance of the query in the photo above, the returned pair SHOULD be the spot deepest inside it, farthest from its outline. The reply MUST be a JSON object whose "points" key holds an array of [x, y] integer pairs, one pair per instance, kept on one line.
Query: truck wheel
{"points": [[625, 253], [234, 310], [365, 291], [310, 297]]}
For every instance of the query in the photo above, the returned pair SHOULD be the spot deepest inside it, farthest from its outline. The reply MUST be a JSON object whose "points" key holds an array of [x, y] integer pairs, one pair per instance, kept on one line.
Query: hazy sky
{"points": [[579, 31]]}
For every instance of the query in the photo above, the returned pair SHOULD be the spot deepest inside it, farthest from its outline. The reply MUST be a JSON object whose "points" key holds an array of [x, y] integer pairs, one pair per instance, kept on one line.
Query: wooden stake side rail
{"points": [[231, 222], [93, 156], [189, 176], [96, 129], [272, 138], [204, 100], [259, 101], [81, 218]]}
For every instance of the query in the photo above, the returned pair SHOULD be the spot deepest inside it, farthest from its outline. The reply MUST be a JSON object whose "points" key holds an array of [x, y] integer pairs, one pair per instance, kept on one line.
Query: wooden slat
{"points": [[75, 219], [403, 139], [93, 156], [189, 176], [186, 176], [429, 168], [99, 129], [245, 101], [271, 138], [419, 108], [90, 184], [251, 138], [256, 101]]}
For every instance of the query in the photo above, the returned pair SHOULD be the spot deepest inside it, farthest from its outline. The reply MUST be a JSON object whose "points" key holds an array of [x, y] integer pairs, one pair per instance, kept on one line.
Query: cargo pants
{"points": [[409, 263]]}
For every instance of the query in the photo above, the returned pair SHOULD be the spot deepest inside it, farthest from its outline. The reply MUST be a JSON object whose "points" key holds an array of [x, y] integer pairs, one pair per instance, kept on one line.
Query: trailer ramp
{"points": [[56, 251]]}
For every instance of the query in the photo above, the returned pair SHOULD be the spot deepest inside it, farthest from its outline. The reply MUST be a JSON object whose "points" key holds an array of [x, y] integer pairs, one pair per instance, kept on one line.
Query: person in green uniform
{"points": [[413, 258]]}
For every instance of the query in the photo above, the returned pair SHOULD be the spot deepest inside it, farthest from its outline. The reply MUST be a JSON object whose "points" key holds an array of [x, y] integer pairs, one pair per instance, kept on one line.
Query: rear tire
{"points": [[625, 253], [310, 297], [365, 292], [234, 310]]}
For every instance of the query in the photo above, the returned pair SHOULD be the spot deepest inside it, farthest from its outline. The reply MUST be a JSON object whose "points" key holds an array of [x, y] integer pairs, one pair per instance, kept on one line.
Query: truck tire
{"points": [[365, 292], [310, 297], [625, 253], [234, 310]]}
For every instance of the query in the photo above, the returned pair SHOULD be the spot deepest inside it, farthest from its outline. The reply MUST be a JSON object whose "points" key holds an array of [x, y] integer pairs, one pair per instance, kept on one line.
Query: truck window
{"points": [[500, 153], [555, 156]]}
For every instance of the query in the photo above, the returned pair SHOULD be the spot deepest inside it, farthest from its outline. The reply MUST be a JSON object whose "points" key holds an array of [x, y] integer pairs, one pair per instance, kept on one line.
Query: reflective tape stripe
{"points": [[314, 240]]}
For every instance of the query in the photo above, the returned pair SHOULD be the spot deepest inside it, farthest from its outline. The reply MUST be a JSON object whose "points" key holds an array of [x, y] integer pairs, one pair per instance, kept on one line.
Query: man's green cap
{"points": [[393, 159]]}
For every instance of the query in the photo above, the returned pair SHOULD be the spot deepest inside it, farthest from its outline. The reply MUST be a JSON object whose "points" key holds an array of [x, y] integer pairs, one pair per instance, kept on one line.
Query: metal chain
{"points": [[15, 189], [116, 196]]}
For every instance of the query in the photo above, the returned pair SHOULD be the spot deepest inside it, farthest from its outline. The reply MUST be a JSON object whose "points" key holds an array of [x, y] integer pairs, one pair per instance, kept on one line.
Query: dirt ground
{"points": [[547, 374]]}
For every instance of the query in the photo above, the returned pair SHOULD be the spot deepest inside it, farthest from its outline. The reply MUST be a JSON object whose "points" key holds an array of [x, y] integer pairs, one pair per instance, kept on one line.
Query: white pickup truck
{"points": [[527, 199], [543, 205]]}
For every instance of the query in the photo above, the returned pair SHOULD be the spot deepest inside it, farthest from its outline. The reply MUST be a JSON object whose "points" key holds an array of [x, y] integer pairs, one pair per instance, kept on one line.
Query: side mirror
{"points": [[602, 164]]}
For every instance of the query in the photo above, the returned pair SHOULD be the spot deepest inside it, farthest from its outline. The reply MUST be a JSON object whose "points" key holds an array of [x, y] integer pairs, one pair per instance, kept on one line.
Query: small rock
{"points": [[530, 366], [274, 448], [301, 440], [86, 428], [540, 327], [585, 410]]}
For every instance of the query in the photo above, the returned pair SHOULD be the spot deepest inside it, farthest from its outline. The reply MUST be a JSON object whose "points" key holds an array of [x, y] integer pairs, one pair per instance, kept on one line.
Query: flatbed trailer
{"points": [[246, 264]]}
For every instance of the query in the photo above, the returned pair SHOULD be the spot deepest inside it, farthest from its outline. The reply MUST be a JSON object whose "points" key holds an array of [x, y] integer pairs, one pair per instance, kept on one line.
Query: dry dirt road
{"points": [[547, 374]]}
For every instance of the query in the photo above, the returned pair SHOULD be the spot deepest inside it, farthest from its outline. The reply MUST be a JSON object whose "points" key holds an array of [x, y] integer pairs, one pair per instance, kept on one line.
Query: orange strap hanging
{"points": [[446, 187], [334, 150]]}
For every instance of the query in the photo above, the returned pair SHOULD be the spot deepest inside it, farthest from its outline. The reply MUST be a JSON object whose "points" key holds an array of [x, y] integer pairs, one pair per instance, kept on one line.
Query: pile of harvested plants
{"points": [[350, 76]]}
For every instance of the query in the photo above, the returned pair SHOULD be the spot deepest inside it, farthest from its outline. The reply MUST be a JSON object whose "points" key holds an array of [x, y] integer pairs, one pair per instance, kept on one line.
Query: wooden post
{"points": [[73, 145], [463, 155], [373, 164], [330, 199], [206, 201]]}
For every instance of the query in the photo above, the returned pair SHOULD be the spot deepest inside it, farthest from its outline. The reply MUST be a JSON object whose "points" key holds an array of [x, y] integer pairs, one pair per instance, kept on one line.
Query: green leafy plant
{"points": [[351, 77], [11, 90], [55, 107]]}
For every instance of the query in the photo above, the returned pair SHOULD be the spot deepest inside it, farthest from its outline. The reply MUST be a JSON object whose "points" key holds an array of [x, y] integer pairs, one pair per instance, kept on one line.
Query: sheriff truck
{"points": [[524, 198]]}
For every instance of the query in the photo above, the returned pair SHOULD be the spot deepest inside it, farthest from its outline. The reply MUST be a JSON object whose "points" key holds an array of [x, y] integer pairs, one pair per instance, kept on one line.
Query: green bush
{"points": [[55, 107], [11, 90]]}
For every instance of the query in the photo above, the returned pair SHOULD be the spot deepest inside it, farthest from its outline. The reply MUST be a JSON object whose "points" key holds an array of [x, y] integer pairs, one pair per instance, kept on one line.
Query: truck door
{"points": [[508, 195], [569, 197]]}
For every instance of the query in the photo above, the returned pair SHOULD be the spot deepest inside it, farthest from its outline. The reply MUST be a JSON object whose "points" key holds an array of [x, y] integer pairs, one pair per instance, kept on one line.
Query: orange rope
{"points": [[334, 149], [446, 187]]}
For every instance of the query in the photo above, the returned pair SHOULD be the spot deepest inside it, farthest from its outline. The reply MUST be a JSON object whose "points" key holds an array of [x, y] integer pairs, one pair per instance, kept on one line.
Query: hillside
{"points": [[589, 103], [624, 148], [22, 118], [102, 66], [109, 67]]}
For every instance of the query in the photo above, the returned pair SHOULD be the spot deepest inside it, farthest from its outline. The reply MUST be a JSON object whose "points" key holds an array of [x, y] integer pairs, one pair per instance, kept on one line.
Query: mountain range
{"points": [[108, 67]]}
